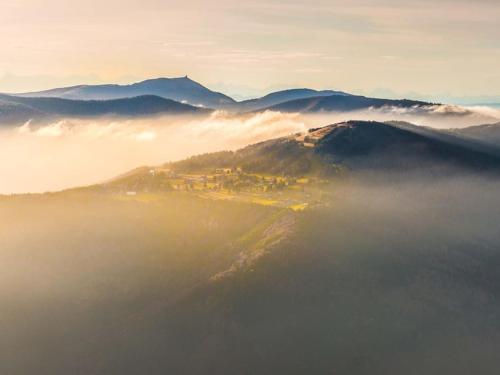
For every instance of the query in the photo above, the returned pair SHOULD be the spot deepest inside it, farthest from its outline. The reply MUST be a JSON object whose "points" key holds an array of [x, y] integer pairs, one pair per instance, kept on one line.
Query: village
{"points": [[227, 184]]}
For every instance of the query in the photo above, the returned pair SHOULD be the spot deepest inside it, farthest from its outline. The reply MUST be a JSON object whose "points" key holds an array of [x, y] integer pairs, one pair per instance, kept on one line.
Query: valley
{"points": [[278, 187]]}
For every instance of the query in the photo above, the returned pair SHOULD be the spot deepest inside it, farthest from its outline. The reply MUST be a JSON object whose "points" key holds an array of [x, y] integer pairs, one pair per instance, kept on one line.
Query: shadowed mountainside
{"points": [[487, 133], [355, 145], [15, 109], [343, 103], [282, 97], [386, 279]]}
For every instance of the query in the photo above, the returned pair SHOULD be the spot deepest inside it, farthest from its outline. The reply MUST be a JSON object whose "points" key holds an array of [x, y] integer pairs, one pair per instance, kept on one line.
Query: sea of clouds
{"points": [[76, 152]]}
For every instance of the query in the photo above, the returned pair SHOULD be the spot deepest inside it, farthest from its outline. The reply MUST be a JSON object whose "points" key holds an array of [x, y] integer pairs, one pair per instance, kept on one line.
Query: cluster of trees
{"points": [[143, 181], [243, 181]]}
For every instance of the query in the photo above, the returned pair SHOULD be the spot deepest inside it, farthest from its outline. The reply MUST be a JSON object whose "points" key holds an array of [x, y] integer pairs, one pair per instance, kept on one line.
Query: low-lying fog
{"points": [[390, 278], [72, 152]]}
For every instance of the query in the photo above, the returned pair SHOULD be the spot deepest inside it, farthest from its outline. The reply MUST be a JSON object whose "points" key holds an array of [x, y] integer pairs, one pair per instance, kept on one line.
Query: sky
{"points": [[246, 48]]}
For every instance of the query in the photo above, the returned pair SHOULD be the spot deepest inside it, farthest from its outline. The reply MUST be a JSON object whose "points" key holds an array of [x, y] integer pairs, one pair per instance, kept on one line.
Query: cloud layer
{"points": [[71, 152]]}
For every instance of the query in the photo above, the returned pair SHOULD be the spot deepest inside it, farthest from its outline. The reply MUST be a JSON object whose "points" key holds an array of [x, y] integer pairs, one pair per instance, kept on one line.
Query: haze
{"points": [[249, 187], [252, 47]]}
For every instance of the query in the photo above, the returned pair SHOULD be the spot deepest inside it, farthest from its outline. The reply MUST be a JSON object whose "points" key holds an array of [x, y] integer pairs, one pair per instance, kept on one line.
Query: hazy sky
{"points": [[252, 46]]}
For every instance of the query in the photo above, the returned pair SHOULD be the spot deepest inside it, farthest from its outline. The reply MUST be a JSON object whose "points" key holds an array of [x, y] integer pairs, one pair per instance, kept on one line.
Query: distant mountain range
{"points": [[176, 95], [20, 109], [343, 103], [181, 89], [284, 96], [187, 91]]}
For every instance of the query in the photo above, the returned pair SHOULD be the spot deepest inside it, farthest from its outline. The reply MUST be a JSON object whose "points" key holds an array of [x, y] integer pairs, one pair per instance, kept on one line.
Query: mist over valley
{"points": [[319, 195]]}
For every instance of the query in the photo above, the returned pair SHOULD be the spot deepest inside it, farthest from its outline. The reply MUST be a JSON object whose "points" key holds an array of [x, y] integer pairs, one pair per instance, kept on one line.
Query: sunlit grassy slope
{"points": [[382, 283], [77, 267], [377, 282]]}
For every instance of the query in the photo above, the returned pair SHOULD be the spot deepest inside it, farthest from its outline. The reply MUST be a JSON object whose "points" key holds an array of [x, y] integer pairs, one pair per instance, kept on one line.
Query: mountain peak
{"points": [[181, 89], [371, 144], [167, 79], [185, 80]]}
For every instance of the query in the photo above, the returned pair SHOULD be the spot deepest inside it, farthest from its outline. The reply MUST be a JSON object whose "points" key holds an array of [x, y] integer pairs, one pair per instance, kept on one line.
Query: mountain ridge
{"points": [[181, 89], [184, 90], [489, 133], [345, 103], [21, 109], [283, 96], [356, 145]]}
